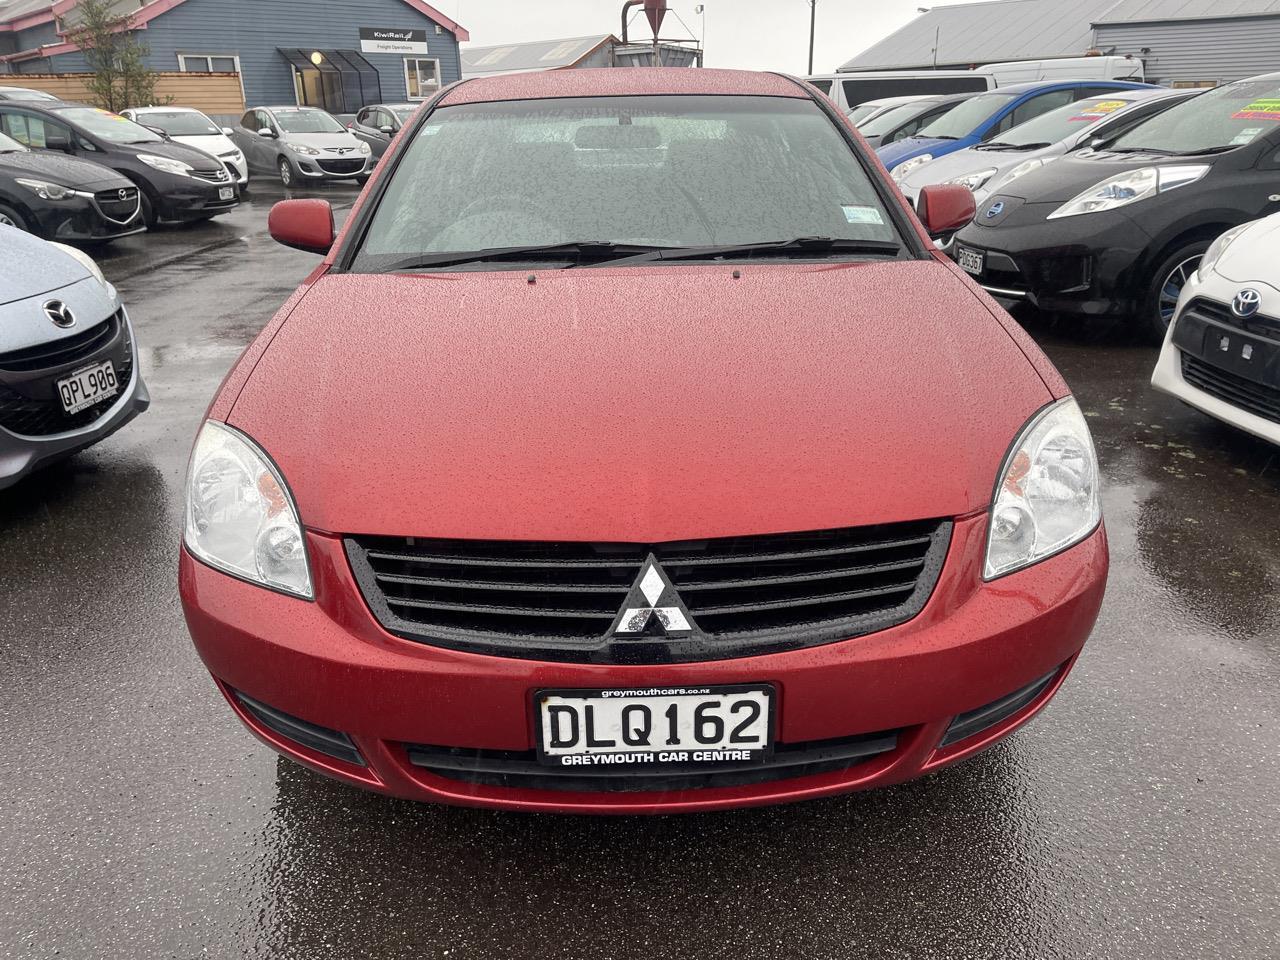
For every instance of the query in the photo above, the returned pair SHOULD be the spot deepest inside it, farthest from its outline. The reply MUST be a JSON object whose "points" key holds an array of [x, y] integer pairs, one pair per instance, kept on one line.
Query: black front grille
{"points": [[43, 415], [118, 205], [559, 601], [57, 353], [1256, 398], [216, 174], [341, 166], [511, 768], [1219, 313]]}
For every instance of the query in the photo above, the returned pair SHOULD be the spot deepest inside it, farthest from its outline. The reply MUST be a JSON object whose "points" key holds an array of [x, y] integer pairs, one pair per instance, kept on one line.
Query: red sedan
{"points": [[635, 450]]}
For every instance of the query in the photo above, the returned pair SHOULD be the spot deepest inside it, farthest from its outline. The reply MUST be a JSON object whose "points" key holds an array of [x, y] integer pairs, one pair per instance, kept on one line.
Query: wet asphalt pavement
{"points": [[1137, 817]]}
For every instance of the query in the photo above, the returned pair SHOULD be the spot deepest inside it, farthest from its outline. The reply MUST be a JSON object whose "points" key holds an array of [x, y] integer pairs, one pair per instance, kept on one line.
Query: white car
{"points": [[1222, 352], [873, 108], [185, 125], [988, 168]]}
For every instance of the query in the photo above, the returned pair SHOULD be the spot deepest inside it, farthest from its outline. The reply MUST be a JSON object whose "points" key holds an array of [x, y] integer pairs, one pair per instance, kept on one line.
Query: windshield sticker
{"points": [[1245, 136], [430, 131], [860, 214], [1259, 110], [1095, 110]]}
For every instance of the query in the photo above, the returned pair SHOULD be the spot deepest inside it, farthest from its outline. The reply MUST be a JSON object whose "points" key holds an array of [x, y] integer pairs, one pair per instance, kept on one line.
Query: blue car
{"points": [[988, 115]]}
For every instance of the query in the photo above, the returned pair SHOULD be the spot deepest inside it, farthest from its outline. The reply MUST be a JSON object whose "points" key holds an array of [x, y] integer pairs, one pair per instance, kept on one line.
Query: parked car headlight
{"points": [[85, 260], [1047, 498], [303, 149], [1217, 249], [1130, 187], [48, 191], [240, 516], [906, 166], [364, 148], [973, 180], [167, 164], [1026, 166]]}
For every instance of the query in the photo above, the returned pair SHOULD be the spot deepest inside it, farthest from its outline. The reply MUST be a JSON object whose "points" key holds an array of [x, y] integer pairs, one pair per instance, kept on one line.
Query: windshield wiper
{"points": [[1001, 145], [572, 250], [1205, 151], [800, 246], [934, 136], [1155, 150]]}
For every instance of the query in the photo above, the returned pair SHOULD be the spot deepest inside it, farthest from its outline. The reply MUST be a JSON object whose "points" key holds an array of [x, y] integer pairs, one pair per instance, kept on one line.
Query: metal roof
{"points": [[13, 9], [523, 57], [976, 33], [1139, 11]]}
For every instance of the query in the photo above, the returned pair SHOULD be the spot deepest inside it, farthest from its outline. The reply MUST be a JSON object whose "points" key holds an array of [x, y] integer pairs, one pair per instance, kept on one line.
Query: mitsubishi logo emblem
{"points": [[653, 600]]}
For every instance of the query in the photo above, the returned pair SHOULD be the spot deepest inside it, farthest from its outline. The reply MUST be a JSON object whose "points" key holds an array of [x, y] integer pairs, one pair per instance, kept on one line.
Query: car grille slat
{"points": [[66, 350], [1255, 398], [558, 601]]}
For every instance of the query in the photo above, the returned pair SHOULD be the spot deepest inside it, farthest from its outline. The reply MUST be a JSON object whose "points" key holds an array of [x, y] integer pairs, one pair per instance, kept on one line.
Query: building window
{"points": [[208, 63], [421, 78]]}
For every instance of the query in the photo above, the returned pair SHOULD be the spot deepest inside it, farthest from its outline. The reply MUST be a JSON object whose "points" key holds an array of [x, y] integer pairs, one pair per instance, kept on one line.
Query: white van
{"points": [[850, 89]]}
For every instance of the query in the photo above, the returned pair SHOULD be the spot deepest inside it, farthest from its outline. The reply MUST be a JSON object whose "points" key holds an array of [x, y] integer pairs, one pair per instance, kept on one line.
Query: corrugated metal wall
{"points": [[1197, 50], [254, 29]]}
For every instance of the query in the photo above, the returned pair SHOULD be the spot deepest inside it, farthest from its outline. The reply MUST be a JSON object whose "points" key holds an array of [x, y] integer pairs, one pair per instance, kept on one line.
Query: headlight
{"points": [[85, 260], [974, 180], [303, 149], [1217, 249], [364, 148], [167, 164], [1130, 187], [906, 166], [1026, 166], [240, 516], [1047, 498], [48, 191]]}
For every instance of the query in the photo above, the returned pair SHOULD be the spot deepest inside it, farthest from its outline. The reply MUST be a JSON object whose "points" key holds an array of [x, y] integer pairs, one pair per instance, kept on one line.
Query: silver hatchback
{"points": [[68, 363]]}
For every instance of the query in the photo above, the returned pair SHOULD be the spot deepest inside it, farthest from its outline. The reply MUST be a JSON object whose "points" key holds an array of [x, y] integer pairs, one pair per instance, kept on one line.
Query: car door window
{"points": [[1031, 109], [363, 117], [248, 120], [36, 132], [384, 119], [912, 127]]}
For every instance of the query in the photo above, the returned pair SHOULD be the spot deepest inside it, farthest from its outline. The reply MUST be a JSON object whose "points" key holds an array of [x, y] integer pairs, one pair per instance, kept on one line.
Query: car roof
{"points": [[1066, 84], [893, 101], [631, 82], [155, 109]]}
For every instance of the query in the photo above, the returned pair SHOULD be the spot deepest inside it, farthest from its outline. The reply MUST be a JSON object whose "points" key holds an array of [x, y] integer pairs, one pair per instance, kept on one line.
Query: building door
{"points": [[339, 81]]}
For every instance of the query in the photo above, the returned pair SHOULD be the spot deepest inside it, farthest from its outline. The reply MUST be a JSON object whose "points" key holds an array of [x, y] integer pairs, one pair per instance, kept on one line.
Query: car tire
{"points": [[148, 211], [1165, 285], [10, 217], [285, 169]]}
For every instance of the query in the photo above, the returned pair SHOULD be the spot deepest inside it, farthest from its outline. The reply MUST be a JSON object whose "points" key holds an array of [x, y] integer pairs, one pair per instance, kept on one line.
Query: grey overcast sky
{"points": [[749, 34]]}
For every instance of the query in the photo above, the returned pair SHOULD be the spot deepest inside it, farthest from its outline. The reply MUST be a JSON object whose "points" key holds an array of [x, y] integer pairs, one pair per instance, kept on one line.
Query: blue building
{"points": [[335, 54]]}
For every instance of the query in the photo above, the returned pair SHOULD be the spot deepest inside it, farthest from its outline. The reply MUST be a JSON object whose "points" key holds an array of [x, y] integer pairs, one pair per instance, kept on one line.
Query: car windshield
{"points": [[9, 145], [1221, 119], [892, 119], [180, 123], [109, 126], [307, 121], [1061, 123], [659, 171], [967, 116], [403, 113], [858, 114]]}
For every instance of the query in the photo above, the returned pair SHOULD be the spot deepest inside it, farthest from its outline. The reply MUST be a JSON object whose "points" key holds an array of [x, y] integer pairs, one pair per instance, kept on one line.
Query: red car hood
{"points": [[639, 404]]}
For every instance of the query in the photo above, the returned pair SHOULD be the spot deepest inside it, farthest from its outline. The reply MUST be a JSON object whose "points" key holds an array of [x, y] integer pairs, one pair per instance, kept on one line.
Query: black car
{"points": [[176, 182], [1114, 230], [65, 199], [907, 119], [378, 125]]}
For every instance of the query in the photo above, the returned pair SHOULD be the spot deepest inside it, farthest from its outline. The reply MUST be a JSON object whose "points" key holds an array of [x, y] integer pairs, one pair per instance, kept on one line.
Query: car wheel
{"points": [[286, 172], [1167, 281], [10, 217]]}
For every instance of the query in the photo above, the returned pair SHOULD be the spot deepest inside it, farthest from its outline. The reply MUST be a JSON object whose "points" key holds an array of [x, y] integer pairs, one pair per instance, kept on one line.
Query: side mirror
{"points": [[945, 208], [302, 224], [388, 130], [267, 132], [227, 131]]}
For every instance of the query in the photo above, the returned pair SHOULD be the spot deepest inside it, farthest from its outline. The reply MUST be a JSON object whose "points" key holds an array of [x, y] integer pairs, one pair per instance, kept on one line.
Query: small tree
{"points": [[121, 77]]}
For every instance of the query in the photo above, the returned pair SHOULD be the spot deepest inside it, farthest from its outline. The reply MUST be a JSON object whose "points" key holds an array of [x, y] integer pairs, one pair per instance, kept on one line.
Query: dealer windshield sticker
{"points": [[1245, 136], [1094, 110], [1259, 110], [430, 131], [859, 214]]}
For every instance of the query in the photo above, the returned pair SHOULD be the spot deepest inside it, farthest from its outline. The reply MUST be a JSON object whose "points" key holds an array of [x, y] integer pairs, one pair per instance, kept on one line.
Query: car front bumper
{"points": [[190, 198], [331, 665], [1090, 265], [322, 168]]}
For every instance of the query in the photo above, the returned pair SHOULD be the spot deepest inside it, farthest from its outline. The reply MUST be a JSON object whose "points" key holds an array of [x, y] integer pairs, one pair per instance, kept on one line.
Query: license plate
{"points": [[655, 726], [971, 261], [226, 193], [91, 385]]}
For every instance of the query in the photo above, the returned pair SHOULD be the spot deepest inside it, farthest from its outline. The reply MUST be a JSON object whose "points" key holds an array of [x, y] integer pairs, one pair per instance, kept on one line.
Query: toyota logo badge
{"points": [[59, 313], [1246, 303]]}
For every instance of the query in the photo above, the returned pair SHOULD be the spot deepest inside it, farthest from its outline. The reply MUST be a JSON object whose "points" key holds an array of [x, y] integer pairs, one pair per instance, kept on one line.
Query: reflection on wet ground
{"points": [[1135, 819]]}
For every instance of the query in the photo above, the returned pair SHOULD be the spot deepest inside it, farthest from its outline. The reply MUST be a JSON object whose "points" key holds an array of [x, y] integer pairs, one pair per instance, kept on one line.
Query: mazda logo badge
{"points": [[124, 194], [59, 313], [1246, 302], [995, 209], [653, 600]]}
